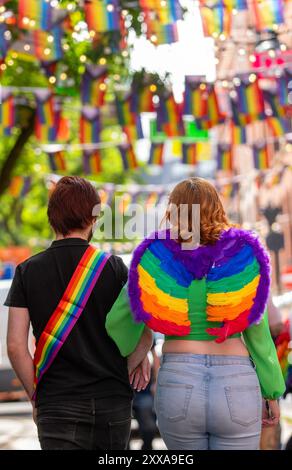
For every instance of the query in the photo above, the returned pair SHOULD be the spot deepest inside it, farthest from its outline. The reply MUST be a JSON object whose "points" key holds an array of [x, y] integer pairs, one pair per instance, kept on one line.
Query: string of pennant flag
{"points": [[205, 106]]}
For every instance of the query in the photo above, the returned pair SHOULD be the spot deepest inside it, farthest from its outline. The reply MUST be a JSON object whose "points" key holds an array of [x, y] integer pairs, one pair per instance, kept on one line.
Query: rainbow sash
{"points": [[68, 311]]}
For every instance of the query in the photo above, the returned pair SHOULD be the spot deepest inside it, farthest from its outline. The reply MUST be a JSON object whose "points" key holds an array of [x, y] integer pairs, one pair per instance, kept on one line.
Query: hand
{"points": [[140, 377], [271, 415]]}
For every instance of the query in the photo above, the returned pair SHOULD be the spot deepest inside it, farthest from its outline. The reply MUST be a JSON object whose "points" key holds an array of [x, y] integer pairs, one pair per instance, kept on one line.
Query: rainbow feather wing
{"points": [[237, 286], [158, 289]]}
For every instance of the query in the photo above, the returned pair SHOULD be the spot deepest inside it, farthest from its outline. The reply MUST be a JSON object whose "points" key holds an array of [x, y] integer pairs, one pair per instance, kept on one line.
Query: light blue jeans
{"points": [[208, 402]]}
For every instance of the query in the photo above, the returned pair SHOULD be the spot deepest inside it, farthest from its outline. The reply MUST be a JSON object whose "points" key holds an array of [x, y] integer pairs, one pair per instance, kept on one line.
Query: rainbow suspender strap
{"points": [[68, 311]]}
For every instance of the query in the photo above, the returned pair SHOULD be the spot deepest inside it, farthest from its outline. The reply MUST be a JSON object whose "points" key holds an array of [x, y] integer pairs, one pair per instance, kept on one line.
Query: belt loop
{"points": [[208, 361]]}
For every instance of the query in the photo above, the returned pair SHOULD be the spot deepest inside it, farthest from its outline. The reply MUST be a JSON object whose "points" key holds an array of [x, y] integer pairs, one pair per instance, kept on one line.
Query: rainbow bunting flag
{"points": [[166, 12], [238, 119], [273, 105], [195, 97], [216, 20], [224, 157], [145, 100], [20, 186], [277, 126], [4, 42], [159, 33], [133, 132], [129, 117], [93, 87], [189, 153], [128, 156], [35, 14], [284, 87], [102, 15], [47, 116], [156, 154], [92, 162], [90, 125], [169, 116], [238, 134], [232, 4], [7, 113], [46, 49], [261, 157], [213, 115], [57, 161], [267, 13], [250, 100]]}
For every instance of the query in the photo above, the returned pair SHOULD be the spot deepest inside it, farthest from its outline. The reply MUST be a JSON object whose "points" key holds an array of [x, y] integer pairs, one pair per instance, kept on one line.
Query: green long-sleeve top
{"points": [[126, 333]]}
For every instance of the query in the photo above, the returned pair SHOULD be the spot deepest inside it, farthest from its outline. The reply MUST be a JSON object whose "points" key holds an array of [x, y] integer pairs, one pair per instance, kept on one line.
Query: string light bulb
{"points": [[252, 77], [26, 47], [252, 58], [102, 87], [110, 7], [83, 58], [47, 51], [52, 79], [63, 76], [102, 61], [153, 88]]}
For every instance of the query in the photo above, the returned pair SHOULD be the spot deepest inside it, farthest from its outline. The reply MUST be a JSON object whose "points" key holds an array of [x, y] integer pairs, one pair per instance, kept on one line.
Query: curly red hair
{"points": [[213, 219]]}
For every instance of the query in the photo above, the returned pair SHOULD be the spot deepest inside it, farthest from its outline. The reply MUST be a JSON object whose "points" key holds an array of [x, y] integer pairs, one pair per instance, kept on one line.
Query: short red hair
{"points": [[71, 205]]}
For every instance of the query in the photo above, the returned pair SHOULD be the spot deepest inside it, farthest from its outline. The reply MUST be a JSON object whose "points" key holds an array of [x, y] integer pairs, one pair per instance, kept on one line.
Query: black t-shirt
{"points": [[89, 364]]}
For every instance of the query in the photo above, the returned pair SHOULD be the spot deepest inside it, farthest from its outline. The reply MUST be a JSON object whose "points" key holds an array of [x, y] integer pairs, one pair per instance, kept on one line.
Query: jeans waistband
{"points": [[206, 359]]}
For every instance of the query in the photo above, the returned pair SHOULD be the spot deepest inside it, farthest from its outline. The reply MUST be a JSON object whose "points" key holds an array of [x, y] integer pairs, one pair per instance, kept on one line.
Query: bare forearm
{"points": [[22, 364], [141, 350]]}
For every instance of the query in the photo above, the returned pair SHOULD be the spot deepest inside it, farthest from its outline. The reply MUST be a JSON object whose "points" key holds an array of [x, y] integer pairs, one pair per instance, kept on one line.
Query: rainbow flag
{"points": [[19, 186], [156, 154], [216, 20], [213, 115], [128, 156], [166, 12], [267, 13], [4, 42], [284, 87], [47, 117], [261, 157], [224, 157], [189, 153], [92, 162], [68, 310], [7, 113], [145, 100], [238, 134], [102, 16], [45, 49], [169, 116], [129, 117], [35, 14], [277, 126], [273, 105], [90, 125], [133, 132], [93, 87], [250, 100], [195, 97], [239, 119], [57, 161]]}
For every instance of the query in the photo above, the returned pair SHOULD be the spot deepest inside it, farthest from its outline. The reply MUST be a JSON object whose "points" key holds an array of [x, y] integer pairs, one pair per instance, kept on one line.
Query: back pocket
{"points": [[244, 403], [172, 400]]}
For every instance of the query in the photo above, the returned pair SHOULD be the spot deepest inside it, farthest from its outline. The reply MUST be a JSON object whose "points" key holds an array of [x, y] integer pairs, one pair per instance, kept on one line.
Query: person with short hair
{"points": [[78, 381]]}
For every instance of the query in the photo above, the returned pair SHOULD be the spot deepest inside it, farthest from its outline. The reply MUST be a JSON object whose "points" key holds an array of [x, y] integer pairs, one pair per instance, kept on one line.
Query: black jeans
{"points": [[94, 424]]}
